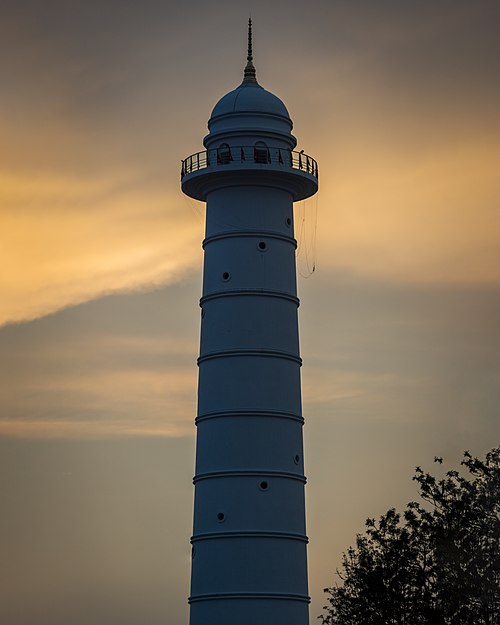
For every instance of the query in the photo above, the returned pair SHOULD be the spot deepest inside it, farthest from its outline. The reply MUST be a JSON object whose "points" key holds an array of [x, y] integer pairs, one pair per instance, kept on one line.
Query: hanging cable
{"points": [[308, 238]]}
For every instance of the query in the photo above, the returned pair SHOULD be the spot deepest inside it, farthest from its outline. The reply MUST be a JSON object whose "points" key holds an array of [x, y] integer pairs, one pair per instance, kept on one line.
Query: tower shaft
{"points": [[249, 542]]}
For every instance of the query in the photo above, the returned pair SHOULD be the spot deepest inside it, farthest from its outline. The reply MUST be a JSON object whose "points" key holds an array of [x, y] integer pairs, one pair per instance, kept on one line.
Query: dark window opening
{"points": [[224, 155], [261, 153]]}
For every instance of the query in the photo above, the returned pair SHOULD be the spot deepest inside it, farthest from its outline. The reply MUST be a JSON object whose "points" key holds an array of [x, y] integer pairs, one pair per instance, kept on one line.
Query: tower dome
{"points": [[249, 109], [250, 98]]}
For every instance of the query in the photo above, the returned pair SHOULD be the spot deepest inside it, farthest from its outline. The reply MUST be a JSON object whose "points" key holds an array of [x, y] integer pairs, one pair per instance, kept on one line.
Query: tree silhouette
{"points": [[437, 563]]}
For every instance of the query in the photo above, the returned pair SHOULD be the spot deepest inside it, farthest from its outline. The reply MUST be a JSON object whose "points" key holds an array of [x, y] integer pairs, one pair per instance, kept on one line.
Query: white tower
{"points": [[249, 563]]}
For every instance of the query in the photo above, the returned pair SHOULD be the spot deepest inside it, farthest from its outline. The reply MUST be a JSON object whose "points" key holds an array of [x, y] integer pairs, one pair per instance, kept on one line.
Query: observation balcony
{"points": [[257, 164]]}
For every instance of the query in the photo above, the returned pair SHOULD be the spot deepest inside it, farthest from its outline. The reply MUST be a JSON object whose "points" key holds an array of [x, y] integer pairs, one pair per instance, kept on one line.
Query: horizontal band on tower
{"points": [[250, 292], [248, 233], [214, 535], [266, 353], [224, 414], [217, 474], [250, 595]]}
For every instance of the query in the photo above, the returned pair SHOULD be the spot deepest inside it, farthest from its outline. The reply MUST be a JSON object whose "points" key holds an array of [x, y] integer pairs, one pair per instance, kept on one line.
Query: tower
{"points": [[249, 562]]}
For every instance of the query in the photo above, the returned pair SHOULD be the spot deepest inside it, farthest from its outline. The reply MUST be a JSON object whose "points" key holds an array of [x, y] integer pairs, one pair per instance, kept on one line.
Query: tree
{"points": [[437, 563]]}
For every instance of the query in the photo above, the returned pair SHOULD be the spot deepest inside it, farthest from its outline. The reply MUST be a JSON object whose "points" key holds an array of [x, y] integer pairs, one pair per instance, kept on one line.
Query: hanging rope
{"points": [[196, 210], [307, 237]]}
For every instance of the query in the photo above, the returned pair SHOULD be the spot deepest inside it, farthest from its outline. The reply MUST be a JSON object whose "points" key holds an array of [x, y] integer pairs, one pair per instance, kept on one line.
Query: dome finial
{"points": [[249, 75]]}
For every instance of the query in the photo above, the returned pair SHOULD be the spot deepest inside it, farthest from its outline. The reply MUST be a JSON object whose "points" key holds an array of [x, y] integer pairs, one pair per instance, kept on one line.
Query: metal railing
{"points": [[262, 155]]}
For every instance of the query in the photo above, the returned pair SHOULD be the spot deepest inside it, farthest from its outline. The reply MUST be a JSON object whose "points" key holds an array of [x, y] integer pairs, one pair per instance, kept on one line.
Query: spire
{"points": [[249, 75]]}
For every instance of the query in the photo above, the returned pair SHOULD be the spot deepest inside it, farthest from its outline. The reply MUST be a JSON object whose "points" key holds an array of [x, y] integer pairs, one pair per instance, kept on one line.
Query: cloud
{"points": [[420, 217], [69, 240], [108, 402], [113, 375], [57, 429]]}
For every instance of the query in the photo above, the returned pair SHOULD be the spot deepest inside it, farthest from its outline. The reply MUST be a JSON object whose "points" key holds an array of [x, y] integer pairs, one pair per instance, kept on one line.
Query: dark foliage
{"points": [[437, 563]]}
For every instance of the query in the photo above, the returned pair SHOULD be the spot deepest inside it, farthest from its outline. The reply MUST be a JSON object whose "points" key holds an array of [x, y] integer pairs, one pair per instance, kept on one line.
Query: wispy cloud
{"points": [[427, 216], [96, 384], [71, 239]]}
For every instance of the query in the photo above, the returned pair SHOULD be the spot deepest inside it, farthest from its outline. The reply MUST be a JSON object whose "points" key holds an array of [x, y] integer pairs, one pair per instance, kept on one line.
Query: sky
{"points": [[399, 102]]}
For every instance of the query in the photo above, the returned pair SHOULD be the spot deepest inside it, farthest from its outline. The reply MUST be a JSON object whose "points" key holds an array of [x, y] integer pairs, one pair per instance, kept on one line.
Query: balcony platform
{"points": [[247, 165]]}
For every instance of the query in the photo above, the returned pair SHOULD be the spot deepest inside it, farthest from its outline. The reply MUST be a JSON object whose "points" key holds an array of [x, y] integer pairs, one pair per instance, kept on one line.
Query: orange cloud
{"points": [[415, 217], [111, 386], [71, 239]]}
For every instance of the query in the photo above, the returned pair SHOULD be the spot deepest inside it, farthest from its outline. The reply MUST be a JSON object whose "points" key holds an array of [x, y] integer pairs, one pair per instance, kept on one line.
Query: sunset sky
{"points": [[399, 102]]}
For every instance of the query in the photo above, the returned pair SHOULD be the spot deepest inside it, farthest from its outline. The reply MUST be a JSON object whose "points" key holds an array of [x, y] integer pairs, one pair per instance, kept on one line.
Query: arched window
{"points": [[261, 153], [224, 155]]}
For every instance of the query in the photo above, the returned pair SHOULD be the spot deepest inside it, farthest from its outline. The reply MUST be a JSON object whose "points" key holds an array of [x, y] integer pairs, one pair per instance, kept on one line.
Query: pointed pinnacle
{"points": [[249, 75]]}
